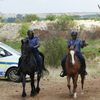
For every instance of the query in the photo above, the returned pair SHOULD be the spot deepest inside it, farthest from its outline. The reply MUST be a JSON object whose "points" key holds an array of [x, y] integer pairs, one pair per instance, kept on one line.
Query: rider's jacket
{"points": [[34, 42], [78, 43]]}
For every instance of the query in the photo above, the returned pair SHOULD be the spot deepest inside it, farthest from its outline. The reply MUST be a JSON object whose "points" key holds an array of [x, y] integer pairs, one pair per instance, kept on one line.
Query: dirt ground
{"points": [[52, 88]]}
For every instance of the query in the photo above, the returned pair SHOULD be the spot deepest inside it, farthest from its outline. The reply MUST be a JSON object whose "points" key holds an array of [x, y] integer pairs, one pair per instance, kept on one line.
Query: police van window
{"points": [[4, 53]]}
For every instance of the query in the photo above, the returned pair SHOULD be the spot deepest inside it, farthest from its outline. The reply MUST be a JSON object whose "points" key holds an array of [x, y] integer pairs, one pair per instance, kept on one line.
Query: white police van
{"points": [[8, 62]]}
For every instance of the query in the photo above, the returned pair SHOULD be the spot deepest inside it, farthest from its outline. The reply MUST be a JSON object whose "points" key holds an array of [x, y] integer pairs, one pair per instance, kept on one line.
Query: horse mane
{"points": [[72, 64], [69, 49], [28, 64]]}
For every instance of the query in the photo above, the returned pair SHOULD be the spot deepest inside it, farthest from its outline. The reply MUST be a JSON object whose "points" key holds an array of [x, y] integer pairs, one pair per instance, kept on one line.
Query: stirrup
{"points": [[62, 74]]}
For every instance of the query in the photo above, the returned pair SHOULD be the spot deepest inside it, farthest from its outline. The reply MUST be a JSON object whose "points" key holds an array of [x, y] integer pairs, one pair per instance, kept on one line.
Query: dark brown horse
{"points": [[28, 66], [72, 69]]}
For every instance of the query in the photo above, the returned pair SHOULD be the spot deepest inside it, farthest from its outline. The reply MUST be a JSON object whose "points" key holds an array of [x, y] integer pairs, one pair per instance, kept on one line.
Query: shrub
{"points": [[65, 22], [50, 17], [14, 44], [54, 49], [31, 17], [23, 29]]}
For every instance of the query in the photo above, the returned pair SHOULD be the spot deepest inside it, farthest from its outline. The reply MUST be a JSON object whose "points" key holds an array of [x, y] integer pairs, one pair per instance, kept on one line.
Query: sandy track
{"points": [[52, 88]]}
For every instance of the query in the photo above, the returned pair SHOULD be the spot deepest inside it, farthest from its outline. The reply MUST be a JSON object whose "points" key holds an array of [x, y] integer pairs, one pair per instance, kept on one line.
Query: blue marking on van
{"points": [[9, 63], [2, 73]]}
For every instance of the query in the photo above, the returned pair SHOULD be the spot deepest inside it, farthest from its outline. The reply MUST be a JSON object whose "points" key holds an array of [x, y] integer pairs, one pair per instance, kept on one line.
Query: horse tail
{"points": [[44, 69]]}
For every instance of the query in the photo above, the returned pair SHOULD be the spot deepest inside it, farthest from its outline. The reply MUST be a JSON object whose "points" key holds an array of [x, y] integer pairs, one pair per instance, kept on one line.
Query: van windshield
{"points": [[9, 48]]}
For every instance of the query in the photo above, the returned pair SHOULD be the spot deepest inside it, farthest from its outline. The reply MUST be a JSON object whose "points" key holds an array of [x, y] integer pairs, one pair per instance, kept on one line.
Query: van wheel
{"points": [[11, 75]]}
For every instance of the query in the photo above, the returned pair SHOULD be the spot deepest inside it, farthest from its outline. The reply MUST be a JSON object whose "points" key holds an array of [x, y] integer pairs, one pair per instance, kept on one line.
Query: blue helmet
{"points": [[30, 32], [73, 33]]}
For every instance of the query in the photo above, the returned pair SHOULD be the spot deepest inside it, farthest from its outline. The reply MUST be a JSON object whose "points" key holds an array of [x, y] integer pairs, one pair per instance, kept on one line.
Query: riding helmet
{"points": [[73, 33]]}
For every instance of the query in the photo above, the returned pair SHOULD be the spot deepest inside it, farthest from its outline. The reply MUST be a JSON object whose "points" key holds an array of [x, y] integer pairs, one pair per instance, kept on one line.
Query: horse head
{"points": [[71, 53], [25, 48]]}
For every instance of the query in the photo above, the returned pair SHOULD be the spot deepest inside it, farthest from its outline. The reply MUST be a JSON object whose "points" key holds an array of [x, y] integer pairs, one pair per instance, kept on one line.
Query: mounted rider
{"points": [[34, 44], [74, 41]]}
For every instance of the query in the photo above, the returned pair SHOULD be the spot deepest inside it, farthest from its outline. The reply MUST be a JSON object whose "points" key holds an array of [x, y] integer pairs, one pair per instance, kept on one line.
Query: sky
{"points": [[48, 6]]}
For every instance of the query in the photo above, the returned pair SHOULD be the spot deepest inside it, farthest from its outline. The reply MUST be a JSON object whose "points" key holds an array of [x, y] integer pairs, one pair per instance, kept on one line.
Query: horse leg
{"points": [[38, 80], [23, 84], [82, 82], [33, 93], [75, 78], [68, 85]]}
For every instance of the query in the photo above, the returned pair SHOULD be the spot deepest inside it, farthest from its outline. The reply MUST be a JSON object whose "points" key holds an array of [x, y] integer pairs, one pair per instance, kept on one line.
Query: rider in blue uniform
{"points": [[34, 45], [78, 44]]}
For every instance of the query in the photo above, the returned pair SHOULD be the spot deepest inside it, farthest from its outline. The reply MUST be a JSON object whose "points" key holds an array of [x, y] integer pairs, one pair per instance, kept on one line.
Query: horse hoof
{"points": [[75, 95], [24, 95], [37, 90], [33, 94], [71, 94]]}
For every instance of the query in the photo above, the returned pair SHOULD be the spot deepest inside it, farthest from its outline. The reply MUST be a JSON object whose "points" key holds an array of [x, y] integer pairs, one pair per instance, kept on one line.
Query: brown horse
{"points": [[72, 69]]}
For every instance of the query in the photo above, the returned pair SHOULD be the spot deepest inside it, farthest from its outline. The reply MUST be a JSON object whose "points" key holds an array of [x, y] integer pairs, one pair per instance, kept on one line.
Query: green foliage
{"points": [[54, 49], [92, 50], [65, 22], [18, 20], [50, 17], [31, 17], [1, 25], [14, 44], [23, 29]]}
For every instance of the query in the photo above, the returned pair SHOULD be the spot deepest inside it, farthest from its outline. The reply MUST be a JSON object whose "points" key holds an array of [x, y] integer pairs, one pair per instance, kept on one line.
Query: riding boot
{"points": [[63, 72], [83, 66]]}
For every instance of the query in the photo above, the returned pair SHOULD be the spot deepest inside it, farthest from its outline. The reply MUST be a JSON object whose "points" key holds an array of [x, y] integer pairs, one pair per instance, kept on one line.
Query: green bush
{"points": [[65, 22], [54, 49], [30, 17], [92, 50], [23, 29], [50, 17], [14, 44]]}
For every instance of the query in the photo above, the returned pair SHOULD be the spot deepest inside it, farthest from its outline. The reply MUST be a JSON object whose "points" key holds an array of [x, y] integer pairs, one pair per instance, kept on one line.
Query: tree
{"points": [[51, 17], [23, 29], [31, 17], [65, 22], [19, 18]]}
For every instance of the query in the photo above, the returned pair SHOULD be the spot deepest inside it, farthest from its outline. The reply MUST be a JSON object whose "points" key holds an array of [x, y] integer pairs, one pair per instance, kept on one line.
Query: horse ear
{"points": [[22, 41]]}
